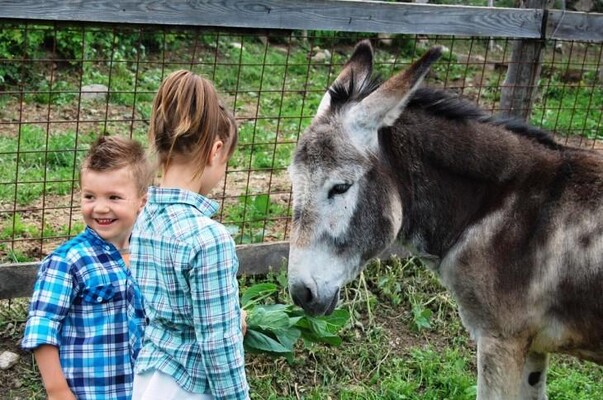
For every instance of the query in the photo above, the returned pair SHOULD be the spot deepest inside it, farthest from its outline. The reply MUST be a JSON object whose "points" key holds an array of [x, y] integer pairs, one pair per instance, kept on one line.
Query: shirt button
{"points": [[99, 299]]}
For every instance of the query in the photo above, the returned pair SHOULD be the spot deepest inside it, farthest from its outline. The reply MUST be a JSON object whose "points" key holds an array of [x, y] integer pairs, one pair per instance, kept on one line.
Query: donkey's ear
{"points": [[383, 107], [354, 73]]}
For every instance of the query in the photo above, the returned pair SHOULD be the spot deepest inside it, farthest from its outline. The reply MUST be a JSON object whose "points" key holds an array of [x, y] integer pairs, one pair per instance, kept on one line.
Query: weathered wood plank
{"points": [[521, 82], [567, 25], [335, 15], [17, 280]]}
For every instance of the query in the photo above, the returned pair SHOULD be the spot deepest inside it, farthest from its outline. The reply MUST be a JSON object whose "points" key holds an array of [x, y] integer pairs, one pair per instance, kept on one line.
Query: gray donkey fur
{"points": [[511, 221]]}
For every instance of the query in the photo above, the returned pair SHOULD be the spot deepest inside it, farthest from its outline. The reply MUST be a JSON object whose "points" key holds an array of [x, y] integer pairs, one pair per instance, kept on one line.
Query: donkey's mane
{"points": [[443, 104], [451, 106]]}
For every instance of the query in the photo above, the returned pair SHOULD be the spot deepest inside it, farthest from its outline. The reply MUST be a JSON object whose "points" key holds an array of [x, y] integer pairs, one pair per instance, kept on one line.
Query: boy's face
{"points": [[110, 203]]}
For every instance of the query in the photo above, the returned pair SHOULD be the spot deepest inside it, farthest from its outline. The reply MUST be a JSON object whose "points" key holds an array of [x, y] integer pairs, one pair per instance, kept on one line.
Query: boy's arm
{"points": [[50, 304], [47, 358]]}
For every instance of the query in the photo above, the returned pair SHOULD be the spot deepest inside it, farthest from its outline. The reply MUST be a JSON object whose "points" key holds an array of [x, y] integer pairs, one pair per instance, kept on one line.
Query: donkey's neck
{"points": [[453, 173]]}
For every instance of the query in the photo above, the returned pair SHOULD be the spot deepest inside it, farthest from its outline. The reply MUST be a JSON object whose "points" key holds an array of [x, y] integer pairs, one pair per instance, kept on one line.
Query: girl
{"points": [[185, 262]]}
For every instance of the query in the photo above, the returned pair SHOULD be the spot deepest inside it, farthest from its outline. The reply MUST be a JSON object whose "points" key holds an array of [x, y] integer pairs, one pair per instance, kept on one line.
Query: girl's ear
{"points": [[216, 151]]}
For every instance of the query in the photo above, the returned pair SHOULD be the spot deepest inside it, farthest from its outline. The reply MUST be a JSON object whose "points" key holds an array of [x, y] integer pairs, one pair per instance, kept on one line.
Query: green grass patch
{"points": [[382, 354], [35, 163], [251, 216], [571, 110]]}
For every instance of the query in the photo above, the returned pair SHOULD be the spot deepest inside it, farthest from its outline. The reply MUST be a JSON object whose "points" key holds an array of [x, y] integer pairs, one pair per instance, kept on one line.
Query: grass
{"points": [[385, 354], [571, 109], [253, 215], [35, 163]]}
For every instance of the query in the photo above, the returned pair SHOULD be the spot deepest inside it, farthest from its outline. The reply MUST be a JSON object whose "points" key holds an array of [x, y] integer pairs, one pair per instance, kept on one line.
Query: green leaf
{"points": [[258, 292], [288, 337], [261, 203], [259, 341], [329, 324], [268, 317], [337, 320], [422, 317], [333, 340]]}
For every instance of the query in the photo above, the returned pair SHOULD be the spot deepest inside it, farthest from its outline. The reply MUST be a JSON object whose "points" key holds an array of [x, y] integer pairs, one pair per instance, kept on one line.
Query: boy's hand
{"points": [[243, 321], [47, 357]]}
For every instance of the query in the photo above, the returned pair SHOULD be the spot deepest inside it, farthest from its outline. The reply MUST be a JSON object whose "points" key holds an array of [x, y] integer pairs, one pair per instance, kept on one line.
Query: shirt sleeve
{"points": [[50, 303], [217, 315]]}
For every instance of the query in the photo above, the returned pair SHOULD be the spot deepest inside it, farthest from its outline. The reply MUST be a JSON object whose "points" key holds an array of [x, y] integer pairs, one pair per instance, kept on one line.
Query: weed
{"points": [[39, 163], [16, 256]]}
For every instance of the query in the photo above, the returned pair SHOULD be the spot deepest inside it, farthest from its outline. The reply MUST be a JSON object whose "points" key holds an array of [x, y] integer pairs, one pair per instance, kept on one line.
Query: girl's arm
{"points": [[47, 358], [217, 314]]}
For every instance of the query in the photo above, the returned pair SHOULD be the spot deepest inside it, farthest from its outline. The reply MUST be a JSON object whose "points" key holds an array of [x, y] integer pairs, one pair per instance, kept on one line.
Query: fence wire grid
{"points": [[63, 85]]}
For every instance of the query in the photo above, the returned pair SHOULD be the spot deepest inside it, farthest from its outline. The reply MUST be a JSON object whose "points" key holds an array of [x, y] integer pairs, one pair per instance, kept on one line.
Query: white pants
{"points": [[155, 385]]}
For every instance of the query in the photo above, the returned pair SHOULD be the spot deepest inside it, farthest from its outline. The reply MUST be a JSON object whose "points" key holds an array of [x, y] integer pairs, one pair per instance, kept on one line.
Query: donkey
{"points": [[509, 220]]}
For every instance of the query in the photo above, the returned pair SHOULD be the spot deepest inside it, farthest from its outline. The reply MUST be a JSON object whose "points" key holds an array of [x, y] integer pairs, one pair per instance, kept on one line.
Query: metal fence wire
{"points": [[63, 85]]}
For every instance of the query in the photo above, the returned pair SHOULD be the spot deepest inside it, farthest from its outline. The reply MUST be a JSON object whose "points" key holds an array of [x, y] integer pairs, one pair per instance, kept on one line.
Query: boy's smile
{"points": [[104, 221]]}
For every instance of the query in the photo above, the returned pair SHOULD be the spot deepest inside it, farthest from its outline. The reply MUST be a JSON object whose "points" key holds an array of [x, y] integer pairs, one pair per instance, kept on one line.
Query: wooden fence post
{"points": [[521, 83]]}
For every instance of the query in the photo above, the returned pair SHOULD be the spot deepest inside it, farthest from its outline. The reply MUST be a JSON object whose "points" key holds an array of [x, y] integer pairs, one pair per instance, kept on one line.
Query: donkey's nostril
{"points": [[302, 295], [534, 378], [308, 295]]}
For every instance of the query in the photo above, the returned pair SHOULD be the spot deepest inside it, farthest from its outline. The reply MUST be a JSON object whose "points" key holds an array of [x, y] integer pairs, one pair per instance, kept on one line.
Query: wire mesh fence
{"points": [[63, 85]]}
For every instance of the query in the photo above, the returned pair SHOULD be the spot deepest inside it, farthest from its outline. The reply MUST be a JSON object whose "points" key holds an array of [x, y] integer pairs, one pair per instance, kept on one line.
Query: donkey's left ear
{"points": [[353, 74], [383, 107]]}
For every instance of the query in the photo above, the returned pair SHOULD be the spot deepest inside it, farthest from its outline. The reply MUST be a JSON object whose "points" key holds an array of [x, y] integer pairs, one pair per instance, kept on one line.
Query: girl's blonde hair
{"points": [[109, 153], [187, 118]]}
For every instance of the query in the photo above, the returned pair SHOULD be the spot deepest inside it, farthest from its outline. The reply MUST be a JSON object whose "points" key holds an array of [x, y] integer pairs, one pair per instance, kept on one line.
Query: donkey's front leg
{"points": [[500, 364], [533, 381]]}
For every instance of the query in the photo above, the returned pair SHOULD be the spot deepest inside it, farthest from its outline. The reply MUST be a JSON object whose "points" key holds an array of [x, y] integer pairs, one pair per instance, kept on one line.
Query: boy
{"points": [[85, 319]]}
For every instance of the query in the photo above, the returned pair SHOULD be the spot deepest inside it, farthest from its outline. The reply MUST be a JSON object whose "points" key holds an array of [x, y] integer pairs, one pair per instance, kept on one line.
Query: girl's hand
{"points": [[61, 394], [243, 321]]}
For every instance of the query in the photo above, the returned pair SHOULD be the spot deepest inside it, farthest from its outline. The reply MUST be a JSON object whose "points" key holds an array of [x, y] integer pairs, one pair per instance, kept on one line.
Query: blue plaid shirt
{"points": [[186, 266], [86, 303]]}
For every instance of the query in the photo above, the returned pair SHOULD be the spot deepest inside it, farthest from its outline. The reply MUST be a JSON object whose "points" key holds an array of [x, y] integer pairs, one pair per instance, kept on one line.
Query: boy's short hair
{"points": [[109, 153]]}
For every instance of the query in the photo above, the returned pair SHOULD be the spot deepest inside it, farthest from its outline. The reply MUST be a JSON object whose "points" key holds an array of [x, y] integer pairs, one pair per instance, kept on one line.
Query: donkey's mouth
{"points": [[311, 303]]}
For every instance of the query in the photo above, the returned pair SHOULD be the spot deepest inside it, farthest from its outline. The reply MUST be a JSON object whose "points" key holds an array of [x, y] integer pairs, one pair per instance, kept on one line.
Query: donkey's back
{"points": [[528, 262]]}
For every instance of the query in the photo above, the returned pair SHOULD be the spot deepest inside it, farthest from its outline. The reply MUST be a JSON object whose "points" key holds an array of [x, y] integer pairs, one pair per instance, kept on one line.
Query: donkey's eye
{"points": [[340, 188]]}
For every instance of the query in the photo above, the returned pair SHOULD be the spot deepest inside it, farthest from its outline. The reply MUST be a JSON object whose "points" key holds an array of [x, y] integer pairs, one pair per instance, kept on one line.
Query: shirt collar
{"points": [[206, 206], [95, 239]]}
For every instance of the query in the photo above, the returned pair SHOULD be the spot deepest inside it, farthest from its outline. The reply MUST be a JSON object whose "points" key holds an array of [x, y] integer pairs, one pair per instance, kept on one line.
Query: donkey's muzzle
{"points": [[308, 299]]}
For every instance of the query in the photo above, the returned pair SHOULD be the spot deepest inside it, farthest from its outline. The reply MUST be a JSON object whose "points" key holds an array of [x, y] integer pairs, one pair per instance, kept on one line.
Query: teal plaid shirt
{"points": [[185, 264]]}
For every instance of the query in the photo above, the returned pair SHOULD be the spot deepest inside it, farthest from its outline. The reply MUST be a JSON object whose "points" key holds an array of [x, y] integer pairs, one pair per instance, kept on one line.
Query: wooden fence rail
{"points": [[17, 280], [333, 15]]}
